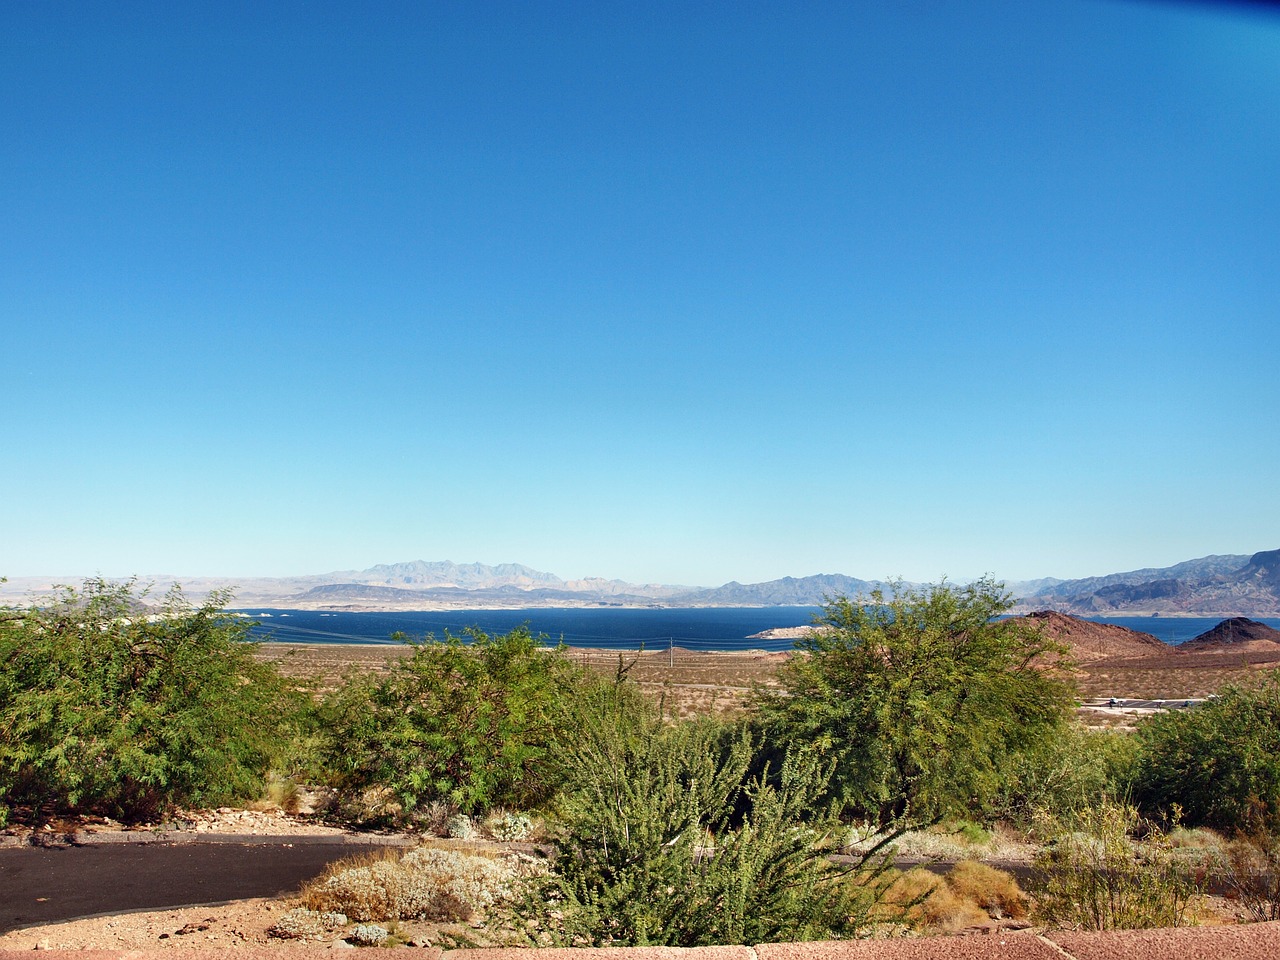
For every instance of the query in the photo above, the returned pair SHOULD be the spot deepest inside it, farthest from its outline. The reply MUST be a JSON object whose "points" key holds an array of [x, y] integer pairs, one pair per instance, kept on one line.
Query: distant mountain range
{"points": [[1216, 585], [1210, 586], [413, 585]]}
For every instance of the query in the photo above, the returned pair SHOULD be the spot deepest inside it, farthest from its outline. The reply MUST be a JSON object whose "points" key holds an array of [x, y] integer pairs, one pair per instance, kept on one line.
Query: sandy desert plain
{"points": [[689, 682]]}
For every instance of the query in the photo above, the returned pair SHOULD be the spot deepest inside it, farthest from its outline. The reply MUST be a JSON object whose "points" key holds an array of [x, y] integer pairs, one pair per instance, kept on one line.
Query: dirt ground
{"points": [[241, 923], [226, 925], [685, 682]]}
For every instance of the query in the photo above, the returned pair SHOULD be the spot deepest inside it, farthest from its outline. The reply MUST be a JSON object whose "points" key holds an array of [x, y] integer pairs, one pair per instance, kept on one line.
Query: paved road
{"points": [[48, 885]]}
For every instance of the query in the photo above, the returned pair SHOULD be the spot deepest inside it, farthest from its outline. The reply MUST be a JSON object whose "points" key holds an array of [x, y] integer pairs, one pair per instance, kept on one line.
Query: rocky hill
{"points": [[1215, 585], [1237, 633], [1087, 640]]}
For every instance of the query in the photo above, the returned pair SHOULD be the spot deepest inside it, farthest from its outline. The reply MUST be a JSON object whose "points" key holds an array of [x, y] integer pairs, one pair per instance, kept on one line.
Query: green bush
{"points": [[919, 697], [1217, 764], [110, 707], [1066, 774], [665, 841], [1097, 875], [470, 723]]}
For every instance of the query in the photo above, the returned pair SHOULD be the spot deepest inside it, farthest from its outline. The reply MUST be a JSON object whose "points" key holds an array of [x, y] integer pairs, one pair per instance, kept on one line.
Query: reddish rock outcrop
{"points": [[1237, 633], [1089, 640]]}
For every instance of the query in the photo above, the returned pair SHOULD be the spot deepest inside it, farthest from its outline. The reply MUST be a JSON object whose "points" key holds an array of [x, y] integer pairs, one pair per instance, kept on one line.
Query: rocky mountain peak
{"points": [[1238, 633]]}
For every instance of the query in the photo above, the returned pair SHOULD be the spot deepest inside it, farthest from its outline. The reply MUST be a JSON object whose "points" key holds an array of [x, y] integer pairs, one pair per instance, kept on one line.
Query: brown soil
{"points": [[1173, 676], [689, 682], [686, 682], [243, 923]]}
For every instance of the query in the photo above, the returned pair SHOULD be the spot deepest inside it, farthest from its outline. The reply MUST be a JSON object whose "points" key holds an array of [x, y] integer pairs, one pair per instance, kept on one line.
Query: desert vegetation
{"points": [[914, 717], [107, 707]]}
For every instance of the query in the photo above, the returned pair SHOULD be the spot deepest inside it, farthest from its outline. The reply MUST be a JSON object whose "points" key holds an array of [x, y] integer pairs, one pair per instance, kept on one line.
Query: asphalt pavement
{"points": [[50, 884]]}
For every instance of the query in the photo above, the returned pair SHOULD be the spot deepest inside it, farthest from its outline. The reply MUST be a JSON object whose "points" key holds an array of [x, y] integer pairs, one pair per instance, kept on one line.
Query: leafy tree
{"points": [[919, 696], [1219, 763], [108, 706], [469, 723]]}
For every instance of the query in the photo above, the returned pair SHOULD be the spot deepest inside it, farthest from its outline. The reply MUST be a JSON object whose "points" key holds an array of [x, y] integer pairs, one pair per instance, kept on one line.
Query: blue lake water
{"points": [[699, 628]]}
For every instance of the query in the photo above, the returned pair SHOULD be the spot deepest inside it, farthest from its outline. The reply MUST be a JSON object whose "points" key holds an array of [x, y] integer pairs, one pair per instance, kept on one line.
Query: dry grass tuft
{"points": [[904, 897], [278, 793], [947, 911], [954, 843], [995, 891], [425, 884], [971, 895]]}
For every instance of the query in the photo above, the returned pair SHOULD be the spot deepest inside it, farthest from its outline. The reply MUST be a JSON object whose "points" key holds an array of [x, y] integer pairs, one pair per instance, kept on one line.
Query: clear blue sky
{"points": [[680, 292]]}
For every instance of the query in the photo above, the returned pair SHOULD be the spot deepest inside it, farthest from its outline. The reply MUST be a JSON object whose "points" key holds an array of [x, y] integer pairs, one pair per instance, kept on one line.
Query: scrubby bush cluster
{"points": [[108, 707], [1252, 874], [908, 710], [1219, 764], [470, 723], [1096, 877], [668, 840], [301, 923]]}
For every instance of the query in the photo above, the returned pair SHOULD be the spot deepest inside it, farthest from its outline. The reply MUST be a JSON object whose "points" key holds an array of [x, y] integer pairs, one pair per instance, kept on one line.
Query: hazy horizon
{"points": [[862, 575]]}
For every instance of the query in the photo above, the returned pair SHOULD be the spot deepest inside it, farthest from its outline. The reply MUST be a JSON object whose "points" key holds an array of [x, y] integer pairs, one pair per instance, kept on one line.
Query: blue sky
{"points": [[667, 292]]}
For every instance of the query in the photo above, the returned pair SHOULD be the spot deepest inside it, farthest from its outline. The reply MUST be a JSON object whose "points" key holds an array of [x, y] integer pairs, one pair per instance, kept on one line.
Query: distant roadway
{"points": [[1128, 703]]}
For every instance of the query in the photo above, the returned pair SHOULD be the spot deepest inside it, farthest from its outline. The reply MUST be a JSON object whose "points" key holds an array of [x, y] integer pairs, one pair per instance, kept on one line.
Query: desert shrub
{"points": [[1097, 874], [468, 723], [425, 884], [1218, 764], [951, 841], [1065, 774], [434, 816], [111, 707], [1199, 849], [303, 924], [918, 697], [510, 827], [368, 935], [460, 827], [1251, 874], [665, 841]]}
